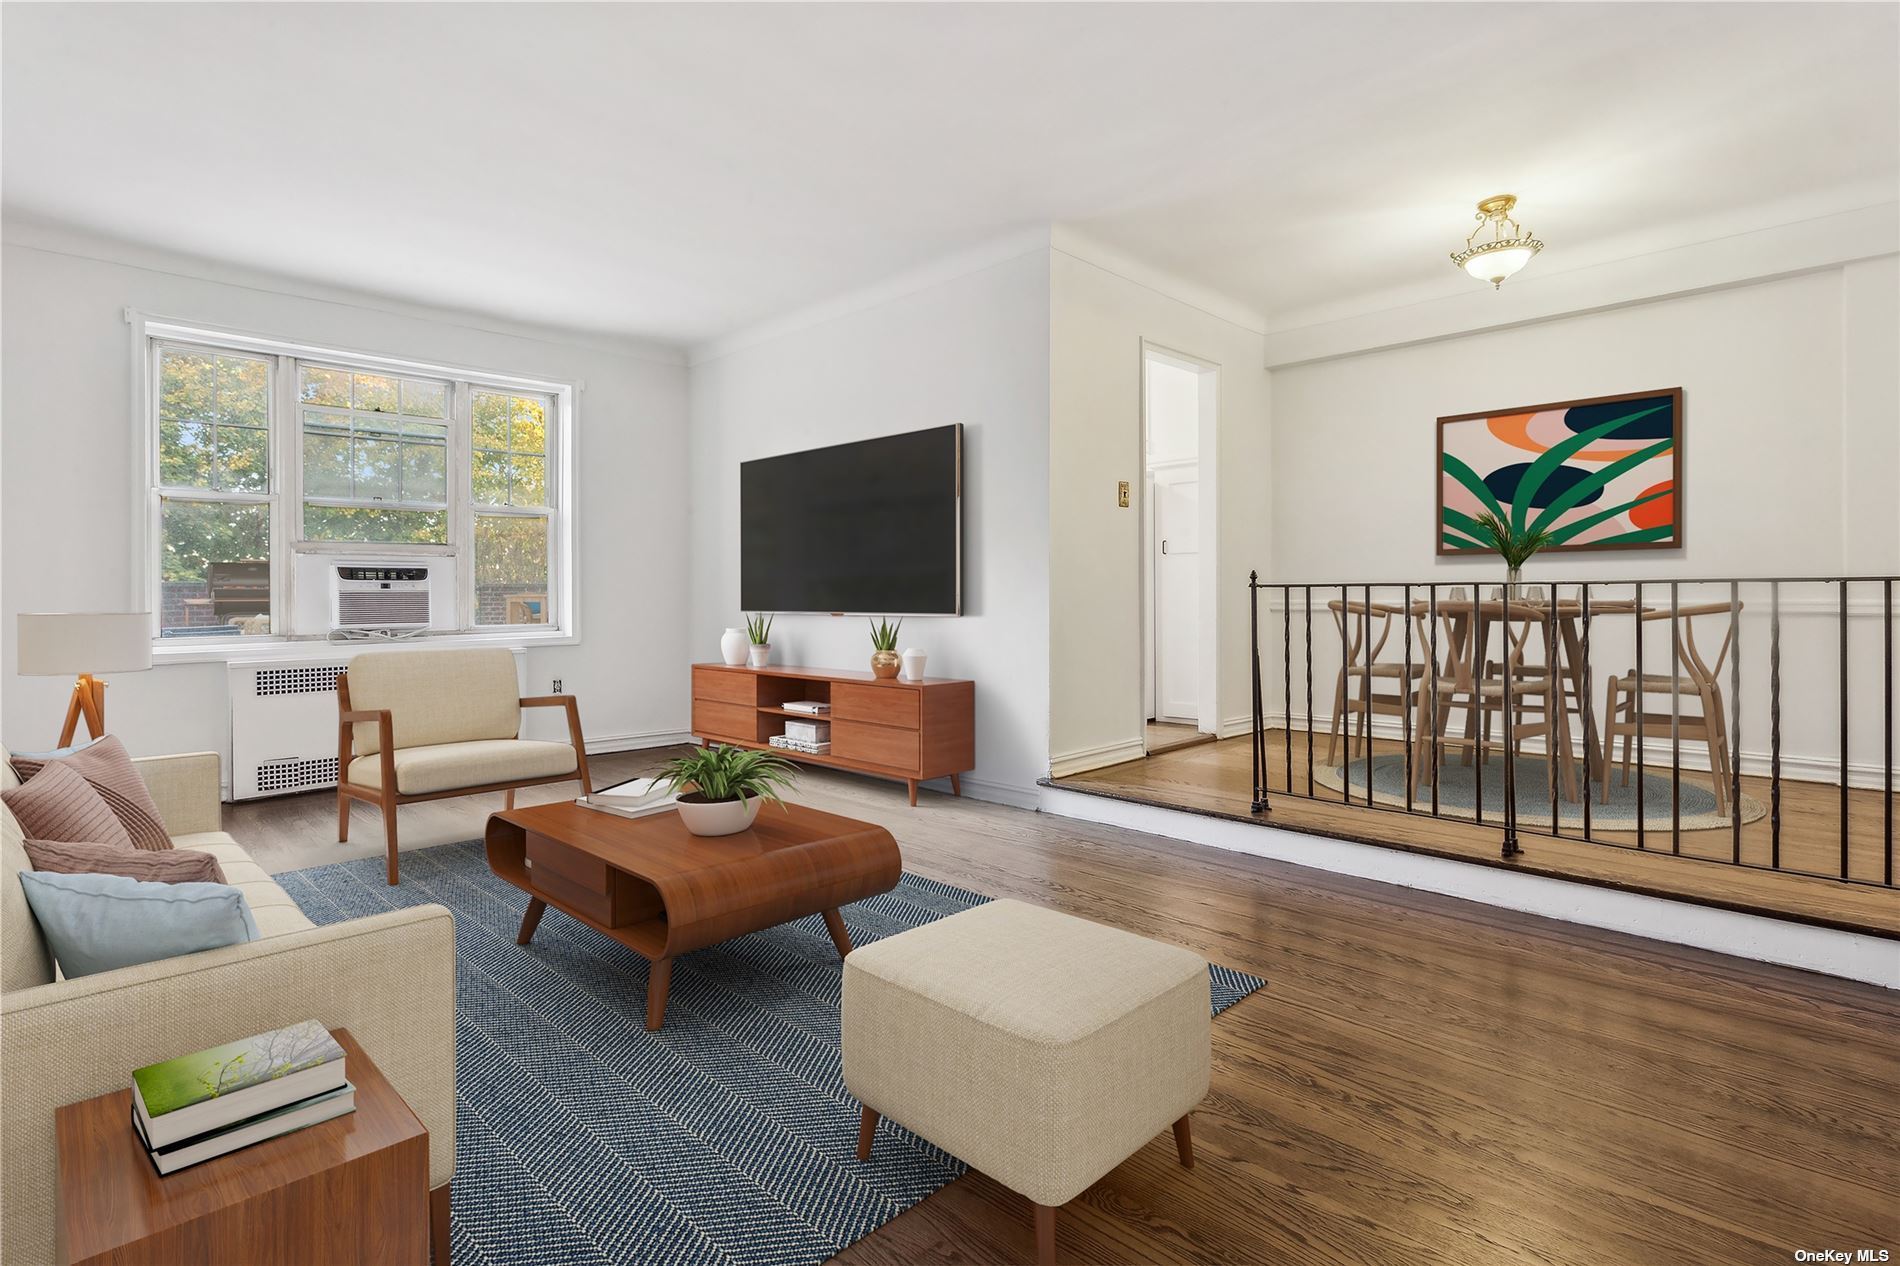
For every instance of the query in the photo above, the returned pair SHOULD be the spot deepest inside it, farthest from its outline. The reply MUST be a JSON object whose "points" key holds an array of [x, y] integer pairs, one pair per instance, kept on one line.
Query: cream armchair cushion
{"points": [[452, 696], [447, 766]]}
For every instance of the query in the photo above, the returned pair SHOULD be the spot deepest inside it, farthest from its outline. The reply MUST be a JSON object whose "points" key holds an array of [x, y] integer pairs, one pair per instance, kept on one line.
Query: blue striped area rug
{"points": [[727, 1137]]}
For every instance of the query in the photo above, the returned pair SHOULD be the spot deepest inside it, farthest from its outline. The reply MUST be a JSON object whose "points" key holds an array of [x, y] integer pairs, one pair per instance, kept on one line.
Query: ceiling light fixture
{"points": [[1500, 256]]}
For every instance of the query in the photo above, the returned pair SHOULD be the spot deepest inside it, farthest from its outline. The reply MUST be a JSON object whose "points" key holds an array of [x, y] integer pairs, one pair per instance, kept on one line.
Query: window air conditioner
{"points": [[376, 598]]}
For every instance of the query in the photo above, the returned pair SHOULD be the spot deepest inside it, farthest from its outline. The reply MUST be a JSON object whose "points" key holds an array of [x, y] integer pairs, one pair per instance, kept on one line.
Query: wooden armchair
{"points": [[430, 725]]}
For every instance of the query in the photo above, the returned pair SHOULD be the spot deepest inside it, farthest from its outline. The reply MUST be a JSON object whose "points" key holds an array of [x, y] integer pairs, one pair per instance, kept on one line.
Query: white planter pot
{"points": [[732, 644], [914, 665], [718, 817], [759, 654]]}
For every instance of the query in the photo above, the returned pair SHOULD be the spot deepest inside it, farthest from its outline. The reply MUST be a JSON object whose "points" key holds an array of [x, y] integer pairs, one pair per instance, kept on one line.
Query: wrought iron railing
{"points": [[1434, 642]]}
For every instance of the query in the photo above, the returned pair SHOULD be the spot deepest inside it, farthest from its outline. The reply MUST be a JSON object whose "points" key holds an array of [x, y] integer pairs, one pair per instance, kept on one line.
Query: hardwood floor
{"points": [[1424, 1080], [1169, 736], [1216, 778]]}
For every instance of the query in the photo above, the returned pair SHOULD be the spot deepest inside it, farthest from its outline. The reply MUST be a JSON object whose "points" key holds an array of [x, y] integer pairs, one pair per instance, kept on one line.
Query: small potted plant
{"points": [[721, 788], [884, 658], [758, 628], [1514, 546]]}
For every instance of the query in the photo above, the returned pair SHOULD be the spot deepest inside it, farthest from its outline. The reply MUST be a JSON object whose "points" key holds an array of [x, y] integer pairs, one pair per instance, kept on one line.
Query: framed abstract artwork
{"points": [[1604, 473]]}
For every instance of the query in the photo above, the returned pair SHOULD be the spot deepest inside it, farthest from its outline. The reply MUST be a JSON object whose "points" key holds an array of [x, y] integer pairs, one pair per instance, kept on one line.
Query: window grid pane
{"points": [[213, 421], [375, 438], [214, 568], [510, 439], [511, 569]]}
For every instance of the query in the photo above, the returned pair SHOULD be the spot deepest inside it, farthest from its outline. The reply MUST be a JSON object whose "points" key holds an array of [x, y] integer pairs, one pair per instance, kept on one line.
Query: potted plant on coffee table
{"points": [[721, 787]]}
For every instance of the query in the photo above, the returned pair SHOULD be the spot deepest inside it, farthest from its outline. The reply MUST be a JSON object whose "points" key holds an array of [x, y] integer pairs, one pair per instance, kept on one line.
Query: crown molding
{"points": [[1078, 245], [947, 268], [1737, 259], [58, 238]]}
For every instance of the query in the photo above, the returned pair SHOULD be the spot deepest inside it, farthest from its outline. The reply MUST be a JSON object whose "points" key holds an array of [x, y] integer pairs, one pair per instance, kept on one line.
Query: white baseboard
{"points": [[638, 740], [1011, 794], [1852, 955], [1066, 763]]}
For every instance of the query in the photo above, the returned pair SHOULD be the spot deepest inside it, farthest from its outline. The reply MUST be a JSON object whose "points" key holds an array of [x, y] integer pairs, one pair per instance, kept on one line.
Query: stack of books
{"points": [[792, 743], [635, 798], [196, 1107], [812, 706]]}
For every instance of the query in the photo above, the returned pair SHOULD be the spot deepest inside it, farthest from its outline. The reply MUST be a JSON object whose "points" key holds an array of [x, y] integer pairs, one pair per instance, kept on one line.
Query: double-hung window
{"points": [[511, 506], [270, 466], [214, 499]]}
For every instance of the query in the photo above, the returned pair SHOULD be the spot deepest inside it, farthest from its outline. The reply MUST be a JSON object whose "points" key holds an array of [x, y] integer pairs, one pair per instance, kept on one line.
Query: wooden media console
{"points": [[908, 730]]}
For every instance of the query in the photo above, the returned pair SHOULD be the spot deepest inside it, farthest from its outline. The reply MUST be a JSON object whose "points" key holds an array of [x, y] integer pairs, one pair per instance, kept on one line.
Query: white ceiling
{"points": [[682, 172]]}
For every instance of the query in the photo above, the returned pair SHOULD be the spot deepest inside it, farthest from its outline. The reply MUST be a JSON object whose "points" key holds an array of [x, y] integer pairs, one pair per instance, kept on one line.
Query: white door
{"points": [[1177, 581]]}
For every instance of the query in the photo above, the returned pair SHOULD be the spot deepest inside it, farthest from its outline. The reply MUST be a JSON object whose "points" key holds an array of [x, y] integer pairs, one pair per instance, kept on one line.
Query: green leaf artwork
{"points": [[1585, 474]]}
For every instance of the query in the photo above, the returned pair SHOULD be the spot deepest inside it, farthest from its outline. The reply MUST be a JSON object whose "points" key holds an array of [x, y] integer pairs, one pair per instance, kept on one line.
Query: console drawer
{"points": [[710, 683], [884, 705], [873, 744], [727, 720]]}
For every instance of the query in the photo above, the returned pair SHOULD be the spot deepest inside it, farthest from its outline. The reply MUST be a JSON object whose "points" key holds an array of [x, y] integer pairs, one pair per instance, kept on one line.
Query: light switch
{"points": [[1121, 494]]}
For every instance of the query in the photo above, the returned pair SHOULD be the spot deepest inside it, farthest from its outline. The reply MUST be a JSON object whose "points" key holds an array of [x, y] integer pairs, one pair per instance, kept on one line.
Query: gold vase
{"points": [[884, 665]]}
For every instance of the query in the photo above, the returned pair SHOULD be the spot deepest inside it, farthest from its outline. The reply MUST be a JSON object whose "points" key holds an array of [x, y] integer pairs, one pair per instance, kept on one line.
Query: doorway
{"points": [[1179, 409]]}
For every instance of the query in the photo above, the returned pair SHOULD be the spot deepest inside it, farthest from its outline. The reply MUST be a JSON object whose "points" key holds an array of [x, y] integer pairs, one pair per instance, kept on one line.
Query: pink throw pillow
{"points": [[60, 805], [108, 767]]}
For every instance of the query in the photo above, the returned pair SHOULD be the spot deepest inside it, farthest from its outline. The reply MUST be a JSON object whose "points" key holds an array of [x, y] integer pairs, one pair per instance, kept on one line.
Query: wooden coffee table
{"points": [[662, 891]]}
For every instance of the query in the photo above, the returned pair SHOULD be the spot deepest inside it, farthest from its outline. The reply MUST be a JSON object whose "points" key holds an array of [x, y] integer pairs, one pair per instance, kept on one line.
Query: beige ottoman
{"points": [[1041, 1049]]}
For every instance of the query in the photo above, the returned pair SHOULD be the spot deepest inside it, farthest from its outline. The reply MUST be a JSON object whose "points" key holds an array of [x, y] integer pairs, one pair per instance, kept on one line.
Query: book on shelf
{"points": [[269, 1124], [212, 1089], [790, 743], [635, 798], [813, 706]]}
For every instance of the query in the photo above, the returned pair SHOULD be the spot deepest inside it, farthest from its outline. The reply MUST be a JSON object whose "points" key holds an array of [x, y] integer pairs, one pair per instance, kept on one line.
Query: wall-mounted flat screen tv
{"points": [[871, 528]]}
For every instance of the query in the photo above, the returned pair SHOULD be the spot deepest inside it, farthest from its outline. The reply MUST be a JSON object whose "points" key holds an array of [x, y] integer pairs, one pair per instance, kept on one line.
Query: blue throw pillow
{"points": [[95, 923], [55, 754]]}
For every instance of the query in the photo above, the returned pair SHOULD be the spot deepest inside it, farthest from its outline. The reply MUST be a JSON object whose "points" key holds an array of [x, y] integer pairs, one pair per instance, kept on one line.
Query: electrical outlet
{"points": [[557, 685], [1121, 494]]}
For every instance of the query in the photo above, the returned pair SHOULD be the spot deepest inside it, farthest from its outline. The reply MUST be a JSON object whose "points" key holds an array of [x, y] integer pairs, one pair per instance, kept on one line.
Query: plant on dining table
{"points": [[1515, 545]]}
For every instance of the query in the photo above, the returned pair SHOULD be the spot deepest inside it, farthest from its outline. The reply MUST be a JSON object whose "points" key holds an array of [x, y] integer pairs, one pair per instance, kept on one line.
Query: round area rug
{"points": [[1458, 795]]}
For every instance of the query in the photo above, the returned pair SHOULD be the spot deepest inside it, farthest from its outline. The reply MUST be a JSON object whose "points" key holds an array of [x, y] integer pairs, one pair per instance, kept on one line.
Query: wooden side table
{"points": [[352, 1189]]}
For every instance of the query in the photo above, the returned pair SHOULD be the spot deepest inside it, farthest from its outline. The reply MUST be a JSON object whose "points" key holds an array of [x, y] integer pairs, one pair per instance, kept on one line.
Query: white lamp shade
{"points": [[67, 644], [1495, 266]]}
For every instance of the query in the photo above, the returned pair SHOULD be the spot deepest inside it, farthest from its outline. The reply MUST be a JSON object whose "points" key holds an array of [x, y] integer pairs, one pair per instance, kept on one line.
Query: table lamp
{"points": [[85, 644]]}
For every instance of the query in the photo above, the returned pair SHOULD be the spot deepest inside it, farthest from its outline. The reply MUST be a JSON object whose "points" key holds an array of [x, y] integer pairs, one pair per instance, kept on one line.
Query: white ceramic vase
{"points": [[717, 817], [759, 654], [732, 644], [914, 665]]}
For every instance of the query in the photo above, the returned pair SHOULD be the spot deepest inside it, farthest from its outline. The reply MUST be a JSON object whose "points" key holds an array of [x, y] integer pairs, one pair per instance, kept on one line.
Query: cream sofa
{"points": [[389, 979]]}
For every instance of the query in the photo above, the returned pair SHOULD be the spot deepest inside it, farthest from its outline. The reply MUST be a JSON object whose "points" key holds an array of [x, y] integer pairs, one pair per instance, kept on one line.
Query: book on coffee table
{"points": [[635, 798]]}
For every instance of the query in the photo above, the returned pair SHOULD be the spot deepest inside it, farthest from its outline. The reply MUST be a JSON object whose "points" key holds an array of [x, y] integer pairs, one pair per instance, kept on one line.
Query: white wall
{"points": [[972, 348], [1767, 453], [1791, 451], [66, 489], [1099, 318]]}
